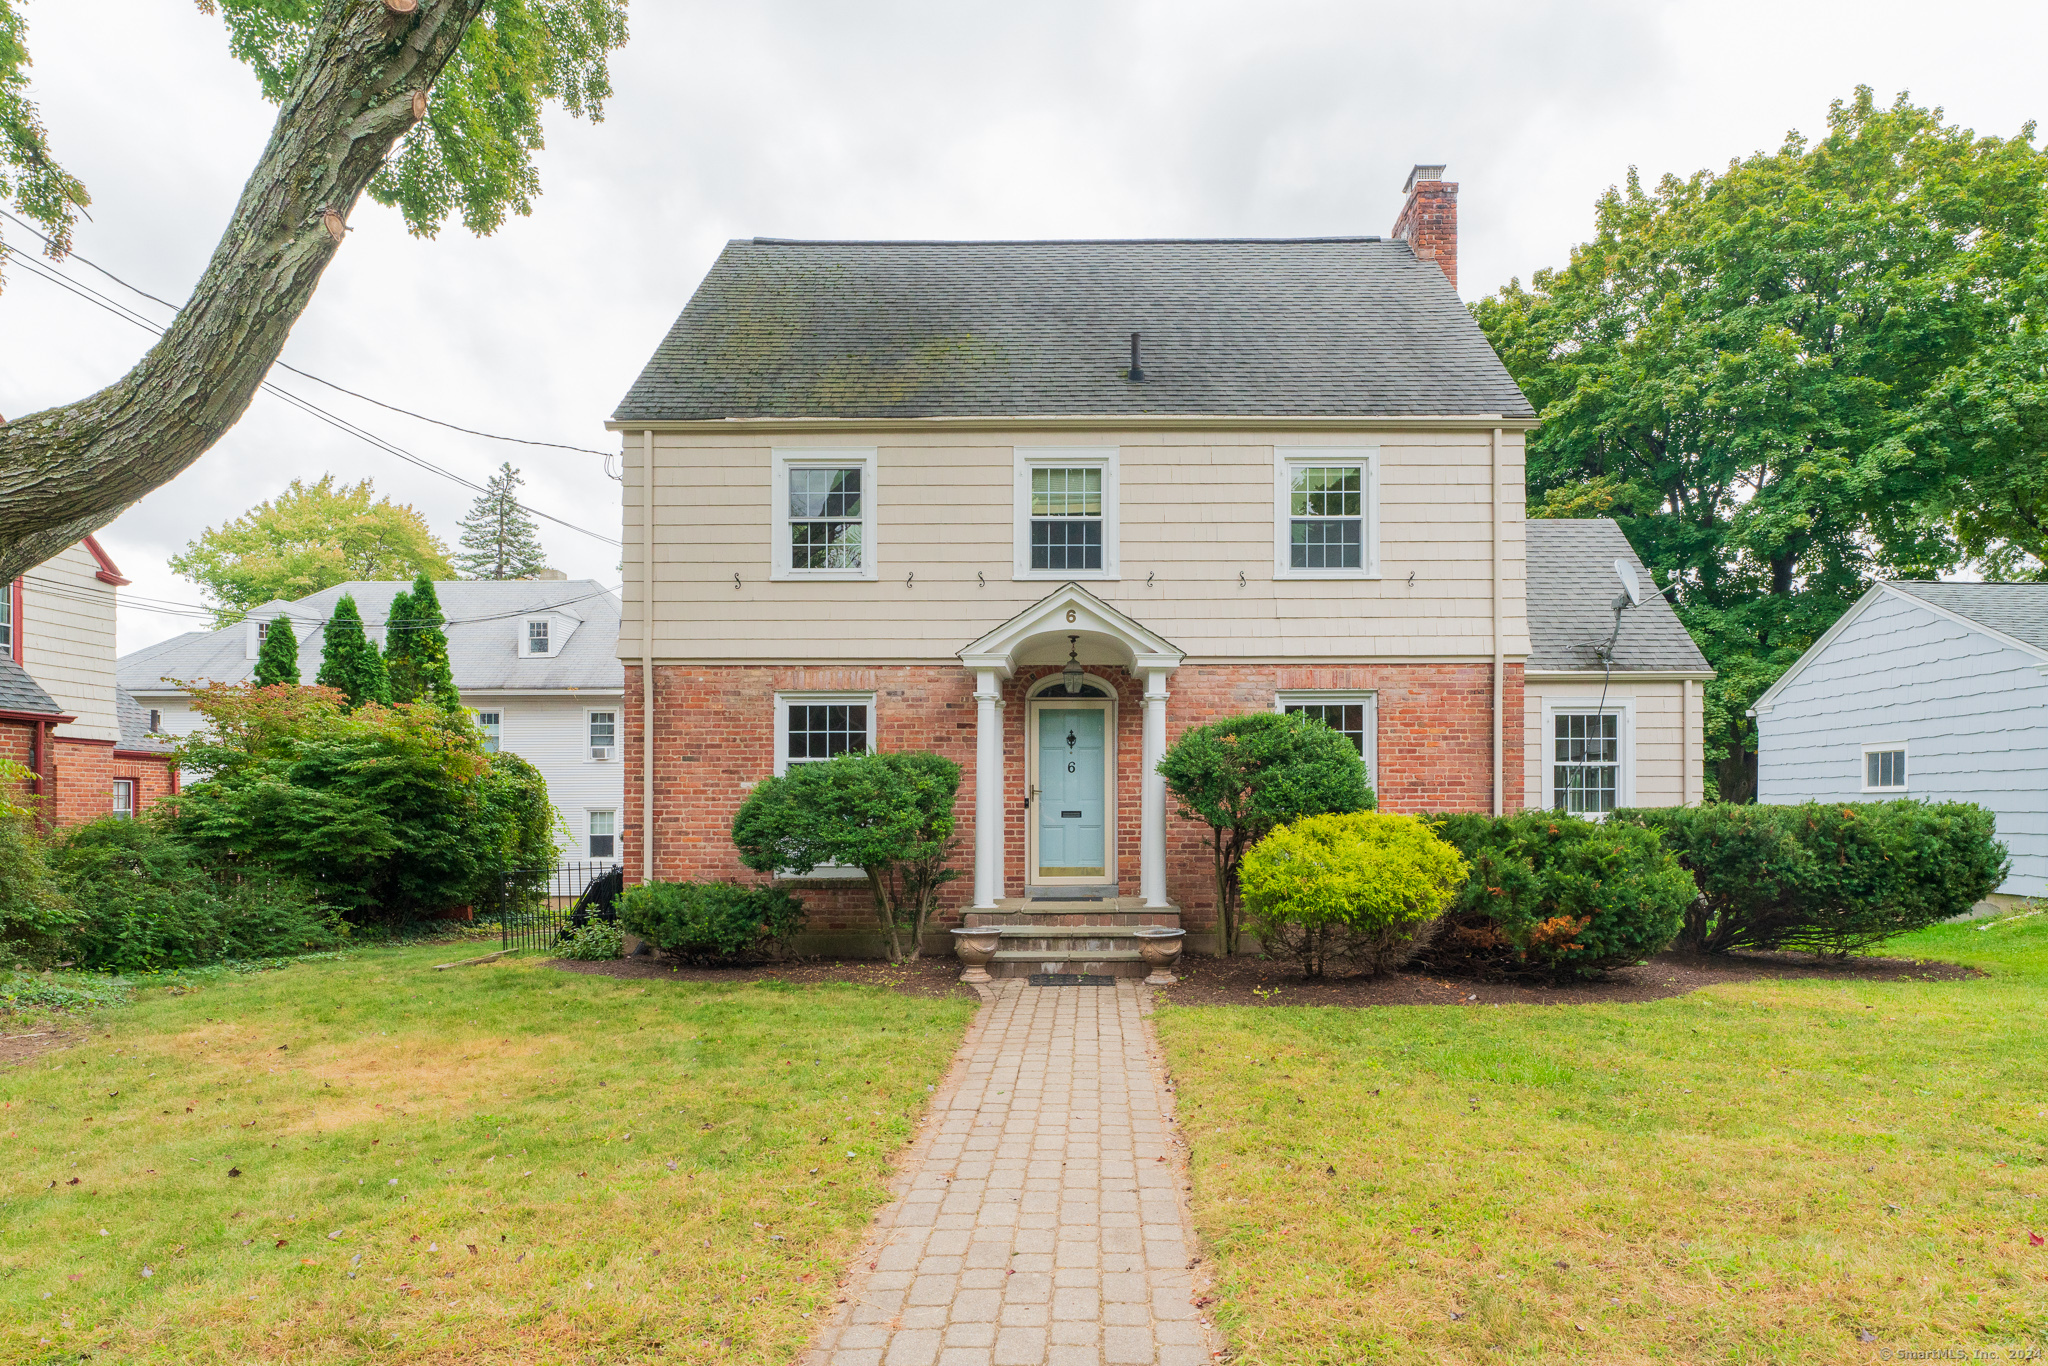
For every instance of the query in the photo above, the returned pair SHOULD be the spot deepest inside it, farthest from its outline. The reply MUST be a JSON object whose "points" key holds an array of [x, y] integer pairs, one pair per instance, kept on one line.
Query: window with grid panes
{"points": [[1326, 517], [825, 730], [1066, 519], [1586, 762], [1884, 768], [604, 831], [491, 724], [1346, 718], [536, 637], [824, 519]]}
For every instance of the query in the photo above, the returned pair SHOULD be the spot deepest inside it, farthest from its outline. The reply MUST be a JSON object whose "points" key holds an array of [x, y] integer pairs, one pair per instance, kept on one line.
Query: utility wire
{"points": [[307, 374], [55, 588], [126, 314]]}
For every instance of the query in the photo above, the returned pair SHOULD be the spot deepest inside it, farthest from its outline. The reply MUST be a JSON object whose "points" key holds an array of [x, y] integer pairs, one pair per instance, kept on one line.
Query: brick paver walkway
{"points": [[1040, 1220]]}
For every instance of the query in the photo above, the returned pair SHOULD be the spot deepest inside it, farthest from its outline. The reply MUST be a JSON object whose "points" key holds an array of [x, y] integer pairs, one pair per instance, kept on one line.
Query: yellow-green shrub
{"points": [[1361, 887]]}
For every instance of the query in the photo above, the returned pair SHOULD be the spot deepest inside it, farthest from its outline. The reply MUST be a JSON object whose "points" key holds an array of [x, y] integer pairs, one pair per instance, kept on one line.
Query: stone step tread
{"points": [[1071, 931], [1069, 956]]}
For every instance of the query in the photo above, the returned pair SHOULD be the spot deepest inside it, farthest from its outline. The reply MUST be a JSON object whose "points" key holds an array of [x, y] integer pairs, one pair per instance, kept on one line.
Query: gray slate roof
{"points": [[1572, 586], [2019, 610], [135, 731], [1331, 327], [19, 692], [483, 635]]}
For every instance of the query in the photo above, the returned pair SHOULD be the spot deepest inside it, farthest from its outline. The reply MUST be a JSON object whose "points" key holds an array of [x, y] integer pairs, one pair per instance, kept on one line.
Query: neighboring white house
{"points": [[1930, 690], [534, 659], [1598, 738]]}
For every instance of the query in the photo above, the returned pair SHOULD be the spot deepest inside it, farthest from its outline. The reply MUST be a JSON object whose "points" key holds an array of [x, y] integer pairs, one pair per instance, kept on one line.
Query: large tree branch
{"points": [[68, 471]]}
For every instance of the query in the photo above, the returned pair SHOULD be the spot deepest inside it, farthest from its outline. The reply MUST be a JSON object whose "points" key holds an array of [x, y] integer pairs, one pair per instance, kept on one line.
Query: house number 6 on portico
{"points": [[1070, 616]]}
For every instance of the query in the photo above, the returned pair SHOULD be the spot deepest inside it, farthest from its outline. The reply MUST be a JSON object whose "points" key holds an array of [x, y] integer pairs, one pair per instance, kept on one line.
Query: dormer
{"points": [[542, 635]]}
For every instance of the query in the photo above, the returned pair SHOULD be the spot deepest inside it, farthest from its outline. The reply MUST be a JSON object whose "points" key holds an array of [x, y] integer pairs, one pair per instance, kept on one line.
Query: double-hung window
{"points": [[825, 514], [1586, 777], [604, 734], [1326, 513], [7, 620], [124, 797], [1884, 767], [604, 834], [811, 727], [1353, 715], [492, 724], [537, 634], [1066, 512]]}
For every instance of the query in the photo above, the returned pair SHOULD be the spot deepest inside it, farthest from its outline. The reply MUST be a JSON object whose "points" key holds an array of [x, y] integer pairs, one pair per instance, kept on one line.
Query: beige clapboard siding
{"points": [[1662, 776], [67, 642], [1196, 511]]}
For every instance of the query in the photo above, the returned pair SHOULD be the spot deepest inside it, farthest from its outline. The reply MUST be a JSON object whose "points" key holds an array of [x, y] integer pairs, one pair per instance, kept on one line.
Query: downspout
{"points": [[1499, 659], [647, 656]]}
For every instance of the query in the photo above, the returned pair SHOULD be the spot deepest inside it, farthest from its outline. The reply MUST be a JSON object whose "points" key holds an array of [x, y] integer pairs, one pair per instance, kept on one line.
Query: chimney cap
{"points": [[1423, 171]]}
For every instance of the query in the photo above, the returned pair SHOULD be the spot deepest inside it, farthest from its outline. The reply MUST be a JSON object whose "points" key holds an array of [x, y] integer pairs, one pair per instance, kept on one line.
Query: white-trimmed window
{"points": [[1326, 512], [604, 834], [492, 724], [824, 514], [1352, 714], [124, 796], [1066, 513], [1589, 759], [539, 636], [811, 727], [604, 734], [1884, 767], [7, 619]]}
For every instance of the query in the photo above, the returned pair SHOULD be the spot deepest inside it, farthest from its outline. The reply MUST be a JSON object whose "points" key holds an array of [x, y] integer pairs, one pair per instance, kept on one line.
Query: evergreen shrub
{"points": [[1553, 895], [1826, 877], [713, 922], [1360, 888]]}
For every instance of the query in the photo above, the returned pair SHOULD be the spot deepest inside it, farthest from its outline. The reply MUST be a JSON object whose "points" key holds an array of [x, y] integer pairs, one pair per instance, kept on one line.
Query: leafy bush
{"points": [[597, 941], [890, 815], [144, 903], [63, 991], [34, 915], [1826, 877], [1558, 896], [712, 921], [1361, 887], [1244, 775]]}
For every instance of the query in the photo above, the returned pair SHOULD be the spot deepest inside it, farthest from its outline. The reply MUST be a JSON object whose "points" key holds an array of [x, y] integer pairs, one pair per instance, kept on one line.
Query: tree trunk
{"points": [[68, 471]]}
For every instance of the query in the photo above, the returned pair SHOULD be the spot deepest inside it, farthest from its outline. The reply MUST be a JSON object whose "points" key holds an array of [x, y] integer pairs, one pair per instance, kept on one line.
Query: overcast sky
{"points": [[898, 120]]}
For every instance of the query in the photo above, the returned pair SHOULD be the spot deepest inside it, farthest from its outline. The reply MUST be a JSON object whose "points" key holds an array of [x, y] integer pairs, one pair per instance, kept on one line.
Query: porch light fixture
{"points": [[1071, 675]]}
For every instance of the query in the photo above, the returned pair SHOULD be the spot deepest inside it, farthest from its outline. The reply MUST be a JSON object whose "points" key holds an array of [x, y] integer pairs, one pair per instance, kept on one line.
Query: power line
{"points": [[307, 374], [126, 314], [55, 588]]}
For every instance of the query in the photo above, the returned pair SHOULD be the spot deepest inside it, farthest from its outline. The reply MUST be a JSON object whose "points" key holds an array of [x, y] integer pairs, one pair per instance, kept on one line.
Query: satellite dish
{"points": [[1626, 572]]}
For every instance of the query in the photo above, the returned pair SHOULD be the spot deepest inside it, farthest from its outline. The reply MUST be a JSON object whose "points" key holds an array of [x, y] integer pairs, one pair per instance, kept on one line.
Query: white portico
{"points": [[1070, 747]]}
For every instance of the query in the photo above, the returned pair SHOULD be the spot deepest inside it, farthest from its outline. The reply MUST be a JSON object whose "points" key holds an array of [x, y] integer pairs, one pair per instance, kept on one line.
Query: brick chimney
{"points": [[1429, 220]]}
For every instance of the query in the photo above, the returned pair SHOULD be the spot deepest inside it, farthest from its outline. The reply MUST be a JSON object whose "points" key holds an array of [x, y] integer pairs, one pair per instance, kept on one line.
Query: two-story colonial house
{"points": [[1040, 507]]}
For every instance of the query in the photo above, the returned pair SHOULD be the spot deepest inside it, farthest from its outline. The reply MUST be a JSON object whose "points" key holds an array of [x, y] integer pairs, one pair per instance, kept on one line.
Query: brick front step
{"points": [[1025, 963]]}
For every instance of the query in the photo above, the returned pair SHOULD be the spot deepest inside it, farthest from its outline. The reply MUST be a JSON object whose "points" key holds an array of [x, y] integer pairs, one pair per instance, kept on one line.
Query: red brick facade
{"points": [[18, 746], [715, 739], [74, 781], [1429, 223]]}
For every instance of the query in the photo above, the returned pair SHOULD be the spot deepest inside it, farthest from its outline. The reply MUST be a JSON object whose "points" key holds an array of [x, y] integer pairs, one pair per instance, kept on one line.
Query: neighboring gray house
{"points": [[1930, 690], [1595, 739], [534, 659]]}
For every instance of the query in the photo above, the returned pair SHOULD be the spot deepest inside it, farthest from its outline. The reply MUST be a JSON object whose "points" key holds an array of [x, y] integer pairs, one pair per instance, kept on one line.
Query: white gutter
{"points": [[647, 656]]}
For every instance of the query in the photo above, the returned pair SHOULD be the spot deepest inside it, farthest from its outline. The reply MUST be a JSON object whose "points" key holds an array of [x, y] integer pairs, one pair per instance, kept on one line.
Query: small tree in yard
{"points": [[278, 661], [889, 815], [1247, 774], [349, 660]]}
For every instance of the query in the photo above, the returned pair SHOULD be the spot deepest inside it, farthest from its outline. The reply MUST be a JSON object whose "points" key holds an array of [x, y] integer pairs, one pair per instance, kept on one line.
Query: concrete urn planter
{"points": [[1160, 948], [975, 947]]}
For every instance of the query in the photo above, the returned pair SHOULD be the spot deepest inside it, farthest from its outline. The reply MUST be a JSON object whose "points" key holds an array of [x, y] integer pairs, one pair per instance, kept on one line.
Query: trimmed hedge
{"points": [[1557, 896], [1826, 877], [1361, 888], [712, 922]]}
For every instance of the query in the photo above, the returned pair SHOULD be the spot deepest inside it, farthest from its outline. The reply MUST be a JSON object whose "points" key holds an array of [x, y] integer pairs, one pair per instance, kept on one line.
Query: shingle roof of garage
{"points": [[1327, 327], [1572, 587]]}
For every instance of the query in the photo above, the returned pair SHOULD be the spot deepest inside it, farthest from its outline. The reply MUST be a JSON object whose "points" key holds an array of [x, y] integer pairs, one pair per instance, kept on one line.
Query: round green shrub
{"points": [[595, 942], [711, 922], [1362, 887]]}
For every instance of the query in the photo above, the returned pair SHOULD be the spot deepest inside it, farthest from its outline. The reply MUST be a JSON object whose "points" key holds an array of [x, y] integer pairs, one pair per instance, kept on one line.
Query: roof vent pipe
{"points": [[1137, 371]]}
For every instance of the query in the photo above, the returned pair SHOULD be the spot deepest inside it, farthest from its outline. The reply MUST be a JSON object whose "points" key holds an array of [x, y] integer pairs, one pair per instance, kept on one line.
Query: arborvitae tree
{"points": [[417, 648], [278, 660], [499, 539], [350, 661]]}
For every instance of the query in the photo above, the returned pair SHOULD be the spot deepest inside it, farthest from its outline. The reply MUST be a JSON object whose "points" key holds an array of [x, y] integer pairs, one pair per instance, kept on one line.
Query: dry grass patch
{"points": [[1770, 1171], [368, 1160]]}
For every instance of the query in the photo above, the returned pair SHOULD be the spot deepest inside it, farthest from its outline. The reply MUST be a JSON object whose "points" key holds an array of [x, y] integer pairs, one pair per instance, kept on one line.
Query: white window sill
{"points": [[1326, 575], [824, 872], [1066, 576], [1886, 791], [822, 576]]}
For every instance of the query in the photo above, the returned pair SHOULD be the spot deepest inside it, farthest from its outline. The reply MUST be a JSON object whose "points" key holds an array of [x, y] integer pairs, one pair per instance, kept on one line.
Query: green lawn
{"points": [[1751, 1173], [495, 1163]]}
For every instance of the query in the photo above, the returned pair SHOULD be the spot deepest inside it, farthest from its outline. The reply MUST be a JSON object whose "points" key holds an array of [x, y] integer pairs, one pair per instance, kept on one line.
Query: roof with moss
{"points": [[1298, 327]]}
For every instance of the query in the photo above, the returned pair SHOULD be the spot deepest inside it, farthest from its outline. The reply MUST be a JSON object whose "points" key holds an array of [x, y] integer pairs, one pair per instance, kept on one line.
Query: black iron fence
{"points": [[537, 908]]}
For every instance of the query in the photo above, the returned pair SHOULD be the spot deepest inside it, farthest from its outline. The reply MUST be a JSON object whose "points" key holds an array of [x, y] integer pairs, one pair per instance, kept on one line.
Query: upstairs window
{"points": [[1326, 513], [1884, 768], [1585, 762], [1066, 512], [537, 636], [604, 834], [604, 731], [491, 723], [7, 619], [825, 514]]}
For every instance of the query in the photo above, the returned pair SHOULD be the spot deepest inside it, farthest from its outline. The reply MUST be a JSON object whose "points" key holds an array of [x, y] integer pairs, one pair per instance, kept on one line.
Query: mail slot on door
{"points": [[1070, 815]]}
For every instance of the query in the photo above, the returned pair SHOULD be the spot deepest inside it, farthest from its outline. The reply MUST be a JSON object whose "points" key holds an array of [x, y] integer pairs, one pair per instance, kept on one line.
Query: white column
{"points": [[988, 789], [1152, 811]]}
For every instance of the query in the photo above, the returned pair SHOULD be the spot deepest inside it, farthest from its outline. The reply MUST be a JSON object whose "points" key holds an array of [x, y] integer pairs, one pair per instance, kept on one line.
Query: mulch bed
{"points": [[1254, 982], [919, 977]]}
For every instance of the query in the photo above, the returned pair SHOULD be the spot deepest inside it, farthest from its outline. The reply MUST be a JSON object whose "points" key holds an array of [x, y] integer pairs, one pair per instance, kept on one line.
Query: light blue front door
{"points": [[1071, 802]]}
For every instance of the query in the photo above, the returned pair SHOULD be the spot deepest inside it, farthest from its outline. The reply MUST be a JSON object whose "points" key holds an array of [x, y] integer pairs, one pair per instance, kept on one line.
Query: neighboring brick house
{"points": [[897, 486], [90, 748]]}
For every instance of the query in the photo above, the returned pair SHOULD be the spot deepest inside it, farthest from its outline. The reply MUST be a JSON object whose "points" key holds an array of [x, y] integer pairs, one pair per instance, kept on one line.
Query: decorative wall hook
{"points": [[1411, 578], [980, 579], [1148, 578], [1240, 578], [735, 580], [910, 578]]}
